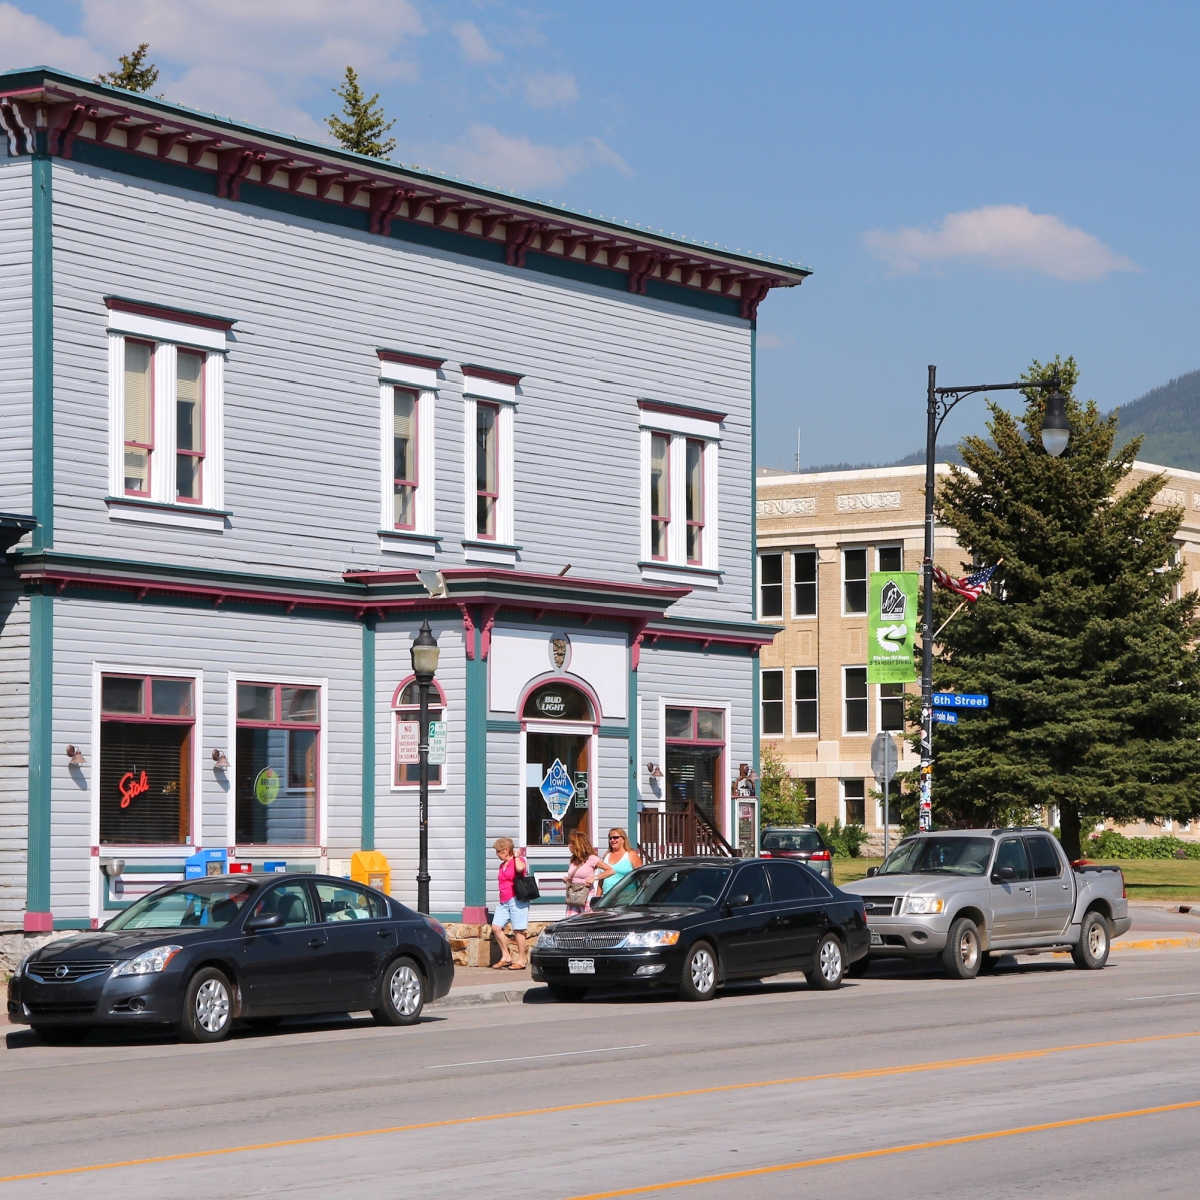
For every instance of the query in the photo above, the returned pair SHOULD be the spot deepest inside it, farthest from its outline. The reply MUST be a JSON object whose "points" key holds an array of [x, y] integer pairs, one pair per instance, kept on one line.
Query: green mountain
{"points": [[1166, 417]]}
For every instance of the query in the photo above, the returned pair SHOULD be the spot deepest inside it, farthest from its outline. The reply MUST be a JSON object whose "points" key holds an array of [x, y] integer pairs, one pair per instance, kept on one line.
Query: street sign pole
{"points": [[884, 761]]}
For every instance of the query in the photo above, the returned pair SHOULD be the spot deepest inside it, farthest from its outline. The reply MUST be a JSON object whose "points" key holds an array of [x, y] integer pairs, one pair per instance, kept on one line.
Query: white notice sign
{"points": [[437, 743], [408, 741]]}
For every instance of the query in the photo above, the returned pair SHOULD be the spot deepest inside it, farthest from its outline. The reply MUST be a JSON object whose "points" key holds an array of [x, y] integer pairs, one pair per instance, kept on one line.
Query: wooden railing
{"points": [[679, 834]]}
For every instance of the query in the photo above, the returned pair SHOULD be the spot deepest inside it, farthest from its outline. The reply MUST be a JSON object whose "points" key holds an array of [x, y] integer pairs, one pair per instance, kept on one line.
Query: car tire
{"points": [[401, 993], [565, 994], [859, 968], [963, 955], [699, 979], [207, 1007], [829, 964], [1095, 941]]}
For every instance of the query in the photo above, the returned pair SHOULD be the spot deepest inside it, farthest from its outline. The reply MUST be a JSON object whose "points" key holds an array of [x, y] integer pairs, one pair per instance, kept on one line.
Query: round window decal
{"points": [[558, 702], [266, 785]]}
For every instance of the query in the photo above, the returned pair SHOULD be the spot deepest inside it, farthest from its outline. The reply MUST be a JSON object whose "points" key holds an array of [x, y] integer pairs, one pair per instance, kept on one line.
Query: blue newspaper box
{"points": [[275, 866], [205, 862]]}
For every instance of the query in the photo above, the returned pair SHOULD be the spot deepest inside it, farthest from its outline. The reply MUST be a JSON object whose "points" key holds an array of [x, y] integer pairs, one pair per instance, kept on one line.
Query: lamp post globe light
{"points": [[424, 654], [939, 401]]}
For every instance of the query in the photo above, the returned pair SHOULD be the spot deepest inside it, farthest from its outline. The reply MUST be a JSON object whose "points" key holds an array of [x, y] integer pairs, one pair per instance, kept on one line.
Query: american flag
{"points": [[969, 587]]}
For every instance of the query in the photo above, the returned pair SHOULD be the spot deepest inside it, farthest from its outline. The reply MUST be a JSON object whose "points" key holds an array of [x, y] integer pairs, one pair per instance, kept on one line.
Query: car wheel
{"points": [[699, 980], [560, 991], [1091, 953], [401, 994], [829, 964], [963, 954], [207, 1007], [60, 1035]]}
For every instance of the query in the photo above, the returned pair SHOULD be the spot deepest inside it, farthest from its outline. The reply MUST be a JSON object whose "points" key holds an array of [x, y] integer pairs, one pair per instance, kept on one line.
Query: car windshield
{"points": [[210, 903], [669, 886], [792, 840], [939, 856]]}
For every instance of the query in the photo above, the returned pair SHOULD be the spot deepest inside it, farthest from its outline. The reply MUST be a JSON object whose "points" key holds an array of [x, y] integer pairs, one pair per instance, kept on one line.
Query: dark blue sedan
{"points": [[691, 924], [205, 953]]}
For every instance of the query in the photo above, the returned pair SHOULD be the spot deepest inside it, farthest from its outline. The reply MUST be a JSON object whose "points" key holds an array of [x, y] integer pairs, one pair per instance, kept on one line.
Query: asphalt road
{"points": [[1038, 1081]]}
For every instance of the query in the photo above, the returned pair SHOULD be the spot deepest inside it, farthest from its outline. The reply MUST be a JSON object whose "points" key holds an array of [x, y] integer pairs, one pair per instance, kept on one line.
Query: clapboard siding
{"points": [[219, 643], [16, 343], [397, 810], [312, 303], [14, 749]]}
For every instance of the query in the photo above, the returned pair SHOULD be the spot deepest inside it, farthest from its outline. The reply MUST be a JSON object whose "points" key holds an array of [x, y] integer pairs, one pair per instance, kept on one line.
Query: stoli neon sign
{"points": [[131, 787]]}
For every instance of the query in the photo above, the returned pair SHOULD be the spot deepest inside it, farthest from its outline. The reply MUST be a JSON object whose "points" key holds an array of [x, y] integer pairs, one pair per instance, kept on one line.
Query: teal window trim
{"points": [[73, 923], [367, 833], [41, 732], [475, 848]]}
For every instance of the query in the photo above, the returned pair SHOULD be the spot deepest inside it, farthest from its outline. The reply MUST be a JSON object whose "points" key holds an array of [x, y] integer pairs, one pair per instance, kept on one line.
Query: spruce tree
{"points": [[363, 126], [778, 801], [135, 74], [1086, 643]]}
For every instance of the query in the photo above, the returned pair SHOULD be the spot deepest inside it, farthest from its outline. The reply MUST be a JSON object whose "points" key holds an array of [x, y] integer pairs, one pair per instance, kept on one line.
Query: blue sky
{"points": [[973, 186]]}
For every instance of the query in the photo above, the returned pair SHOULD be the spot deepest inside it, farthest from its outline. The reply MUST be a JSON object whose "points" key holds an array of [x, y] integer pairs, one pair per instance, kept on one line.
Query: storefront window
{"points": [[278, 741], [146, 730], [695, 741], [558, 766]]}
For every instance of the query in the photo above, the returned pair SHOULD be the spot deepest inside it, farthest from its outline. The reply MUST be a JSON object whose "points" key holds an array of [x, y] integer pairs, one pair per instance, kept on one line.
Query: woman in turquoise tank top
{"points": [[621, 857]]}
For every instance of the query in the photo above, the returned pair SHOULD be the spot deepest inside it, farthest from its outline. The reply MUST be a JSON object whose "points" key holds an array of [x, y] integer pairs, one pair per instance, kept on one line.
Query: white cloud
{"points": [[212, 89], [486, 155], [474, 46], [547, 90], [27, 41], [1005, 236]]}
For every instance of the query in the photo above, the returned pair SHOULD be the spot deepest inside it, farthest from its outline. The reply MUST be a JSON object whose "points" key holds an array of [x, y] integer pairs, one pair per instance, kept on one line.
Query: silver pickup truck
{"points": [[968, 894]]}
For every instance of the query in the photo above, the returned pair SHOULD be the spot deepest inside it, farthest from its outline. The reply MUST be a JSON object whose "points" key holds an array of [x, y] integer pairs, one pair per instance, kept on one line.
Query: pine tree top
{"points": [[135, 74], [362, 123]]}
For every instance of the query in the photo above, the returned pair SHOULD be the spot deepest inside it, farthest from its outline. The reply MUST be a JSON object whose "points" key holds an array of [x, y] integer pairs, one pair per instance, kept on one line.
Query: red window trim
{"points": [[692, 522], [415, 456], [470, 371], [479, 492], [146, 716], [410, 360], [277, 722], [160, 311], [663, 519]]}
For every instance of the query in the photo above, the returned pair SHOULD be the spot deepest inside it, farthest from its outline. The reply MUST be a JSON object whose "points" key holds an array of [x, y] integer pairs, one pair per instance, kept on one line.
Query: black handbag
{"points": [[525, 887]]}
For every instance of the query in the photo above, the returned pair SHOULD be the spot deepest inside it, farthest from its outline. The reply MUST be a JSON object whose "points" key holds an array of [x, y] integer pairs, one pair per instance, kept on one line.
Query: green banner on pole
{"points": [[892, 627]]}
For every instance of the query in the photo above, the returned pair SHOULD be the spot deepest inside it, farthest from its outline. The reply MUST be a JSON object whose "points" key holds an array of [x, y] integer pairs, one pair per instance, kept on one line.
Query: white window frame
{"points": [[257, 849], [762, 703], [879, 699], [422, 382], [846, 731], [842, 816], [783, 586], [681, 427], [500, 549], [816, 558], [882, 546], [168, 335], [816, 700], [843, 551]]}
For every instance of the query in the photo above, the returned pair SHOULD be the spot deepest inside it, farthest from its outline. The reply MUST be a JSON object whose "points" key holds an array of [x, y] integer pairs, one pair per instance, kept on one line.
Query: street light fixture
{"points": [[424, 654], [940, 400]]}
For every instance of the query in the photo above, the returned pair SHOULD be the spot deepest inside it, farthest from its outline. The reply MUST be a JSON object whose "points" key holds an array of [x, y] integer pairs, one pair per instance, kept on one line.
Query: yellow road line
{"points": [[947, 1064], [883, 1152]]}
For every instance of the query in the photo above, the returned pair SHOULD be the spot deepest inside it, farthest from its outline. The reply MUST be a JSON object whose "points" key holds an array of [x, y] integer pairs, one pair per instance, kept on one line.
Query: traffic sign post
{"points": [[884, 760]]}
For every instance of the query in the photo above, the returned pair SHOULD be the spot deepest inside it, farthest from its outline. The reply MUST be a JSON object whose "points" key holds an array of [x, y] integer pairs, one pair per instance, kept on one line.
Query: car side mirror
{"points": [[1004, 874], [262, 922], [872, 871], [739, 901]]}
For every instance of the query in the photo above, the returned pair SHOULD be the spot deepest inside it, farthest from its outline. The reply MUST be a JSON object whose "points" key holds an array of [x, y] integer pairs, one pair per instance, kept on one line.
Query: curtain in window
{"points": [[139, 434]]}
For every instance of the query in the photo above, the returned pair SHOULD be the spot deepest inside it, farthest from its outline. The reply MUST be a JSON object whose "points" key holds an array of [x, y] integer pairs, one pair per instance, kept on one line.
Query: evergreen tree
{"points": [[135, 73], [363, 126], [1086, 647], [778, 803]]}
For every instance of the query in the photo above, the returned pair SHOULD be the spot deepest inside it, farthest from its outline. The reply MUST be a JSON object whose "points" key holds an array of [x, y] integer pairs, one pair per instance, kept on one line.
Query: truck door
{"points": [[1053, 887], [1014, 910]]}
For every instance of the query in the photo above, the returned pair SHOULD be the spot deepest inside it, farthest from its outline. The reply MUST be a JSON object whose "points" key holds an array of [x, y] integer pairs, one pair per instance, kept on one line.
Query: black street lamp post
{"points": [[424, 655], [1055, 434]]}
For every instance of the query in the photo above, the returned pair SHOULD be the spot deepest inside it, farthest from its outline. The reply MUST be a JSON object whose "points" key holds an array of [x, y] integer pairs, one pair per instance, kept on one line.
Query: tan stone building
{"points": [[820, 535]]}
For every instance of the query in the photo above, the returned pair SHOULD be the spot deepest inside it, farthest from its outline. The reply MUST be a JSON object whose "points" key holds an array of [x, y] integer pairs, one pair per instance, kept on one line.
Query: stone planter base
{"points": [[474, 946]]}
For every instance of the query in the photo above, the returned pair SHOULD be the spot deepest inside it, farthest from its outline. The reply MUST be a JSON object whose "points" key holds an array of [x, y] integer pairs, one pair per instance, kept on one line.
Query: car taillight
{"points": [[819, 856], [766, 854]]}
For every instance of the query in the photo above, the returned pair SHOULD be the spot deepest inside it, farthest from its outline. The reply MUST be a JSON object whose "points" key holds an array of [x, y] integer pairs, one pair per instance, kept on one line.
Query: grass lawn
{"points": [[1145, 878]]}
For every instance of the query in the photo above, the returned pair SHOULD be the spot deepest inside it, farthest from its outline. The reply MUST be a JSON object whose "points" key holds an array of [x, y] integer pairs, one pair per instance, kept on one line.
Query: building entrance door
{"points": [[559, 730]]}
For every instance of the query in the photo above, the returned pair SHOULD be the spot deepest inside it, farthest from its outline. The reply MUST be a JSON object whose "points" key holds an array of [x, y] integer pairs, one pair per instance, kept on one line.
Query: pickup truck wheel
{"points": [[1091, 952], [963, 954]]}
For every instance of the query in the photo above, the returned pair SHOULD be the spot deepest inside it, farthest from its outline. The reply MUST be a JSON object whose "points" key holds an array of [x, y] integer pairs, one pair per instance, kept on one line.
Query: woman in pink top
{"points": [[510, 910], [586, 870]]}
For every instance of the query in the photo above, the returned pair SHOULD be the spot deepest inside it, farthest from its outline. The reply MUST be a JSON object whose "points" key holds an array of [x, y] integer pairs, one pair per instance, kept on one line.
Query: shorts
{"points": [[513, 912]]}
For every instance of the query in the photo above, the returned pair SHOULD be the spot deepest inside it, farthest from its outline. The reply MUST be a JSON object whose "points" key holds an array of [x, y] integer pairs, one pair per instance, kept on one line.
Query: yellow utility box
{"points": [[372, 868]]}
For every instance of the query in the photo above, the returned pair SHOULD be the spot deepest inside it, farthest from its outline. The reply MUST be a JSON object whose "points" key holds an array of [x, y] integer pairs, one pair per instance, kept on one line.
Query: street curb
{"points": [[472, 999]]}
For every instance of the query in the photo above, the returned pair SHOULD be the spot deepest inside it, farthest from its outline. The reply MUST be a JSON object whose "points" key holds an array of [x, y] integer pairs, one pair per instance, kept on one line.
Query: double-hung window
{"points": [[770, 585], [771, 683], [854, 802], [489, 415], [407, 402], [891, 707], [166, 437], [854, 693], [804, 700], [804, 583], [679, 448], [854, 581]]}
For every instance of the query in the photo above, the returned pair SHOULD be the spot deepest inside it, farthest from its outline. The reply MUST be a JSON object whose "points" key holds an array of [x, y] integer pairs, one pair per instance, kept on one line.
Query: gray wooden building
{"points": [[267, 406]]}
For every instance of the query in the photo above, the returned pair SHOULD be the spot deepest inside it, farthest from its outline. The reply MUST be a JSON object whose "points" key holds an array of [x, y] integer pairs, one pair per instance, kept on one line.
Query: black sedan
{"points": [[692, 924], [202, 954]]}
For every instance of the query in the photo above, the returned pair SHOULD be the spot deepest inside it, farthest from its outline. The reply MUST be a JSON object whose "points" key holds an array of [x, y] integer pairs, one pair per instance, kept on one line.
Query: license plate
{"points": [[581, 966], [876, 940]]}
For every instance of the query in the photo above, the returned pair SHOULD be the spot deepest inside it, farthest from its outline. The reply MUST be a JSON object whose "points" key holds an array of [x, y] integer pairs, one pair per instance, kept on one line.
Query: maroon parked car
{"points": [[802, 843]]}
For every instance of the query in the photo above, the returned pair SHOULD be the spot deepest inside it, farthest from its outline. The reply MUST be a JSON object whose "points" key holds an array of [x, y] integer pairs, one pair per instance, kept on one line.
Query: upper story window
{"points": [[889, 558], [770, 585], [804, 583], [679, 489], [854, 695], [804, 700], [489, 411], [166, 383], [856, 562], [771, 717], [406, 711], [407, 408]]}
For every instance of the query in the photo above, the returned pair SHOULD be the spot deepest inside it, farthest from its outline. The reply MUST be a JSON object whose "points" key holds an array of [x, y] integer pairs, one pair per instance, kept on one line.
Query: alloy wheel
{"points": [[405, 990], [212, 1005]]}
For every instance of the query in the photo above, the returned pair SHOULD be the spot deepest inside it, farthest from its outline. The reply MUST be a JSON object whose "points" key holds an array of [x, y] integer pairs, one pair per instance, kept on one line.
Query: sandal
{"points": [[515, 966], [501, 966]]}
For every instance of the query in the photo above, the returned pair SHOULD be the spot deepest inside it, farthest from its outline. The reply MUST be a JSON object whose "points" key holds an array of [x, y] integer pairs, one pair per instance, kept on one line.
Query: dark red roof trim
{"points": [[495, 376], [682, 410], [180, 315], [410, 360]]}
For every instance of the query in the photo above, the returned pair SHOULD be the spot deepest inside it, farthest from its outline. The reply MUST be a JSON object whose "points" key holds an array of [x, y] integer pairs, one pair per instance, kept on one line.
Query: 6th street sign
{"points": [[961, 699]]}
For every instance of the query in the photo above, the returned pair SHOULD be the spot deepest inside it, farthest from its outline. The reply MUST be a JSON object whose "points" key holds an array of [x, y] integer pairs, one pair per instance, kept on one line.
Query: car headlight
{"points": [[924, 905], [546, 941], [647, 938], [149, 962], [21, 967]]}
